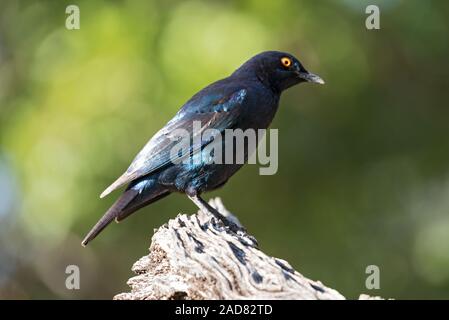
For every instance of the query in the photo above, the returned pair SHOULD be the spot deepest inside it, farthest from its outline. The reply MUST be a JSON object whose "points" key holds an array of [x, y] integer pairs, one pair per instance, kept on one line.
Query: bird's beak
{"points": [[310, 77]]}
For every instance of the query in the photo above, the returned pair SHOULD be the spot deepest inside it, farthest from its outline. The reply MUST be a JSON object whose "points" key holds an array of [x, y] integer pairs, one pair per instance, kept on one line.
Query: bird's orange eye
{"points": [[286, 62]]}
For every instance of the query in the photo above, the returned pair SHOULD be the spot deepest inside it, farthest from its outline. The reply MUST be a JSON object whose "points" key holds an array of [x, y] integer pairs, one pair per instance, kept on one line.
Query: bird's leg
{"points": [[206, 207]]}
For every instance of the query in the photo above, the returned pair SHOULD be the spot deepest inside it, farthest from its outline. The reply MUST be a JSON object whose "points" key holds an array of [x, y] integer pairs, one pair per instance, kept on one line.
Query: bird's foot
{"points": [[207, 208]]}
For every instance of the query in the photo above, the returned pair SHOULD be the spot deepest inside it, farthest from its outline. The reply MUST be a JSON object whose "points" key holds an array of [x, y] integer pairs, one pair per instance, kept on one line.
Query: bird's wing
{"points": [[218, 112]]}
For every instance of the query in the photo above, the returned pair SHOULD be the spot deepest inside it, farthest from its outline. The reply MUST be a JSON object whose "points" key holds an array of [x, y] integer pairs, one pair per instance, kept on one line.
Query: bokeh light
{"points": [[363, 161]]}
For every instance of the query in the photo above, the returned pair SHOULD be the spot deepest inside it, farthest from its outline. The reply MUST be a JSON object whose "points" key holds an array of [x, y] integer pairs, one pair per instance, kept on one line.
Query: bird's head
{"points": [[279, 70]]}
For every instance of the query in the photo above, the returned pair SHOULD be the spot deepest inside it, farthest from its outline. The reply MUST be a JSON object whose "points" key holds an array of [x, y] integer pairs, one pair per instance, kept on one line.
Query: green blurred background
{"points": [[363, 161]]}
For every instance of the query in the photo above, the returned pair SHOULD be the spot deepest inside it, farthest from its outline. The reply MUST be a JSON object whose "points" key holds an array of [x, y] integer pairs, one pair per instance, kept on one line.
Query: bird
{"points": [[246, 99]]}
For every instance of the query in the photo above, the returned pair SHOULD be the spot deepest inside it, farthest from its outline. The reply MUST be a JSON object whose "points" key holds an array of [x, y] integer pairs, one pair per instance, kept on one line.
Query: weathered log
{"points": [[198, 257]]}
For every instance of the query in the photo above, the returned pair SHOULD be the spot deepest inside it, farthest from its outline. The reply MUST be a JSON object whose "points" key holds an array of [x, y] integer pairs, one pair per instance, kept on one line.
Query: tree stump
{"points": [[198, 257]]}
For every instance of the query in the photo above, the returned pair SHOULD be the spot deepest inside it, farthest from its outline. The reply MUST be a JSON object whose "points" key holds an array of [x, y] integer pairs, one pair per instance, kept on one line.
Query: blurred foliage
{"points": [[363, 166]]}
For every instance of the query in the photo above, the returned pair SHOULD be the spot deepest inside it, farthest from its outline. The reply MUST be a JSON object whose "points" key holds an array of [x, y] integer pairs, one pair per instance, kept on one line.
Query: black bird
{"points": [[247, 99]]}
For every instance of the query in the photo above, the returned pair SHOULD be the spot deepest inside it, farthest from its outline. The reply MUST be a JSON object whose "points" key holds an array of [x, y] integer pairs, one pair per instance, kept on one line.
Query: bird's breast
{"points": [[259, 110]]}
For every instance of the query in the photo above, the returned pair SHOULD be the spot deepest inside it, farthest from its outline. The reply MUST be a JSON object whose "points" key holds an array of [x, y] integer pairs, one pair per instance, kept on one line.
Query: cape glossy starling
{"points": [[247, 99]]}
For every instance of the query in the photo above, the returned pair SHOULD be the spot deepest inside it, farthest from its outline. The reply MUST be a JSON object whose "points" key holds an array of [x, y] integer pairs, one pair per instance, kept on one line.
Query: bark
{"points": [[198, 257]]}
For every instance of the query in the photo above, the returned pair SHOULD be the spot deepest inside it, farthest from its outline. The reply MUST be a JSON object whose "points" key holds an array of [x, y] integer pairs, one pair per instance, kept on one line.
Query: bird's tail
{"points": [[110, 215], [131, 200], [140, 202]]}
